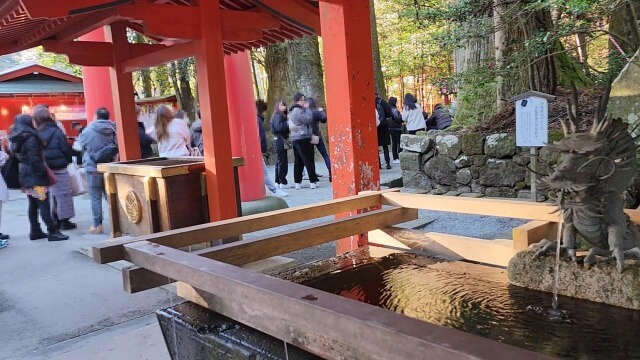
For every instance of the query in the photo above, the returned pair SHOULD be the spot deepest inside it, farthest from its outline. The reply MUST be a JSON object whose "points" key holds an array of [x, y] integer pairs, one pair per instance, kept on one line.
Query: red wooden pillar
{"points": [[348, 63], [96, 80], [243, 123], [215, 117], [124, 105]]}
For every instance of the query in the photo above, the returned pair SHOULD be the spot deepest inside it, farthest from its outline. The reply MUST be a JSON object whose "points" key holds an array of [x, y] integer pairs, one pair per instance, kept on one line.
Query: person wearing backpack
{"points": [[98, 141], [384, 138], [34, 177], [57, 155]]}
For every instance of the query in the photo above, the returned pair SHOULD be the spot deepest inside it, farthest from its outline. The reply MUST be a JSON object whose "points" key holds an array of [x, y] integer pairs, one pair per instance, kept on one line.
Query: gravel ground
{"points": [[483, 227]]}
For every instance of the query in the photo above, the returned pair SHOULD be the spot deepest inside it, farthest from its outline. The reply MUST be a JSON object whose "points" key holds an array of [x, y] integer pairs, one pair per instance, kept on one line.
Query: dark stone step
{"points": [[193, 332]]}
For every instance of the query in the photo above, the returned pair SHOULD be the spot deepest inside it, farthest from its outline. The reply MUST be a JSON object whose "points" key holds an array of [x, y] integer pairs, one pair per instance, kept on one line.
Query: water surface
{"points": [[477, 299]]}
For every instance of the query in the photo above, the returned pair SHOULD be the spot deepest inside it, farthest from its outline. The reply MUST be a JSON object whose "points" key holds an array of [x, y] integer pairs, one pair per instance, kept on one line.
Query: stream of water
{"points": [[470, 299], [556, 275]]}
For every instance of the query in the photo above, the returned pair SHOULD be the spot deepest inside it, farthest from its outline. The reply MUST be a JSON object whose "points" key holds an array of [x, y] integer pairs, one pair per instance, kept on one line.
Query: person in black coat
{"points": [[395, 129], [280, 130], [146, 151], [57, 155], [440, 119], [319, 116], [33, 177], [384, 138]]}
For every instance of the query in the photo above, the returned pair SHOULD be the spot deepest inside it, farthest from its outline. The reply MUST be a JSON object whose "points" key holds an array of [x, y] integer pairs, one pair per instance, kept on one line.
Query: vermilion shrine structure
{"points": [[93, 33]]}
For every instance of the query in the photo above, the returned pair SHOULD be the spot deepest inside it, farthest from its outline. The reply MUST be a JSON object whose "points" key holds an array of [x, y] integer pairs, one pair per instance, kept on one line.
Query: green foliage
{"points": [[478, 86], [409, 48], [56, 61]]}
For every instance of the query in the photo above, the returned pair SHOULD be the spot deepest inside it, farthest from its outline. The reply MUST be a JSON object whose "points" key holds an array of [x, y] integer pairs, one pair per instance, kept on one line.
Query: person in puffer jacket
{"points": [[57, 154], [98, 134], [34, 178], [300, 119], [440, 119]]}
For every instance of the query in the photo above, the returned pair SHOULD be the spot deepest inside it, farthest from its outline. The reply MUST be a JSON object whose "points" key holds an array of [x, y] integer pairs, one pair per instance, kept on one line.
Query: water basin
{"points": [[478, 299]]}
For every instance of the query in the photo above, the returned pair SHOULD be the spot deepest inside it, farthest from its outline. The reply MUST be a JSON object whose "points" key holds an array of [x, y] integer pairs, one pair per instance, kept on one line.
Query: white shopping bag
{"points": [[78, 179]]}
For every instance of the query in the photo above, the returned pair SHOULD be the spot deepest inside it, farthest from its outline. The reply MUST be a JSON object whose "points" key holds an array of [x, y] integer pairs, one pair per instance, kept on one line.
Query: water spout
{"points": [[554, 301]]}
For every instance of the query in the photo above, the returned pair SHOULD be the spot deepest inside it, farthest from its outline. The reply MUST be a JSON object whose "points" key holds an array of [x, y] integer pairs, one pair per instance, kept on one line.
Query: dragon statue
{"points": [[596, 167]]}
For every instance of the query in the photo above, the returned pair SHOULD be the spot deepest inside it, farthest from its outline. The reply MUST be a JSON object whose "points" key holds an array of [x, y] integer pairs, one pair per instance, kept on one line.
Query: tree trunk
{"points": [[187, 100], [294, 66], [172, 67], [375, 47], [255, 76], [500, 44], [625, 36], [147, 89]]}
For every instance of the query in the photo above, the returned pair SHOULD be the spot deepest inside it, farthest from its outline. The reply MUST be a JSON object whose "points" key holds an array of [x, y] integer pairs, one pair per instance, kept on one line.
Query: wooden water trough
{"points": [[325, 324]]}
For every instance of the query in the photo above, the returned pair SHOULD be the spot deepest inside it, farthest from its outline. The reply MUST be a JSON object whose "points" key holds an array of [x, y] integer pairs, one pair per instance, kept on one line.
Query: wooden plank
{"points": [[532, 232], [483, 206], [248, 251], [111, 251], [322, 323], [451, 247]]}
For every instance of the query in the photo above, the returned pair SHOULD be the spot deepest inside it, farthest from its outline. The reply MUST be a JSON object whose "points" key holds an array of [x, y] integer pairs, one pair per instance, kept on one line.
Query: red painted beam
{"points": [[123, 92], [348, 63], [45, 9], [85, 53], [296, 11], [221, 189], [87, 24], [168, 54]]}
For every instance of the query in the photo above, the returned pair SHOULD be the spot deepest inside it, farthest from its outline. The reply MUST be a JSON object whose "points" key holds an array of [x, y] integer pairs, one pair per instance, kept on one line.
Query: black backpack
{"points": [[105, 154]]}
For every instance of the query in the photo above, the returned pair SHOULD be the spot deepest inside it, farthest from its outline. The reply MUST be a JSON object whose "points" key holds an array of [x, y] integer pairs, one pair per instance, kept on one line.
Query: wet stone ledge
{"points": [[602, 283], [196, 333]]}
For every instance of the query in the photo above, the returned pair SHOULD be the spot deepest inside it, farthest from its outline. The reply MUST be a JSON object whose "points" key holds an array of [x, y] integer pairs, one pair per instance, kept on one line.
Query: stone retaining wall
{"points": [[471, 164]]}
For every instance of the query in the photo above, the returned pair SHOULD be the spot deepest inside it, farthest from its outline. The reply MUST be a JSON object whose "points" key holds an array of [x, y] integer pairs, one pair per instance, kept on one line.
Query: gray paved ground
{"points": [[57, 304]]}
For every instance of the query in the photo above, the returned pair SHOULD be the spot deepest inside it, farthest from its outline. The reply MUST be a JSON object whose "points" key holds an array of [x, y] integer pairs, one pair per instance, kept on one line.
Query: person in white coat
{"points": [[4, 196], [172, 134], [412, 115]]}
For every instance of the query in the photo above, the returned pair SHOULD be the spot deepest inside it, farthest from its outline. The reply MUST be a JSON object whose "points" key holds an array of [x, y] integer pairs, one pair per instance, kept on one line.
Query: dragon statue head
{"points": [[601, 160]]}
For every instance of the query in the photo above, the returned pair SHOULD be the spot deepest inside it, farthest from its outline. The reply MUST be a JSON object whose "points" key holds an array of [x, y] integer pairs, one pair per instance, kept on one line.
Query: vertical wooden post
{"points": [[243, 125], [221, 189], [124, 106], [534, 178], [96, 80], [348, 63]]}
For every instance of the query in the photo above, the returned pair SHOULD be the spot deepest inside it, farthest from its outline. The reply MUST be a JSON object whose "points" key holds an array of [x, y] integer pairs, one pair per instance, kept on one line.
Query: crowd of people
{"points": [[392, 123], [37, 155]]}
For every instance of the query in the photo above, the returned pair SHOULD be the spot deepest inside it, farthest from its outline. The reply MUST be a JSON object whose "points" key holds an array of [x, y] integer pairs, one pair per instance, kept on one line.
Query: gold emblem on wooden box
{"points": [[132, 207]]}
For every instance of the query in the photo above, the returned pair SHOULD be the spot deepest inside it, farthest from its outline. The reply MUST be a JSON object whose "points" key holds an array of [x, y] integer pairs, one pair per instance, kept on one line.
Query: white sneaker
{"points": [[298, 186], [284, 186], [313, 186], [396, 161], [280, 193]]}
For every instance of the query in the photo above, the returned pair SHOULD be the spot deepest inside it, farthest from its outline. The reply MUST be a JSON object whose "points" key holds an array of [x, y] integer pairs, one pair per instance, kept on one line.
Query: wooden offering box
{"points": [[158, 194]]}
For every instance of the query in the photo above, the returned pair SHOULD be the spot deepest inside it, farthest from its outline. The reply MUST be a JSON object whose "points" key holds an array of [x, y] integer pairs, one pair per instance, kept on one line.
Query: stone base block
{"points": [[269, 203], [602, 283], [193, 332]]}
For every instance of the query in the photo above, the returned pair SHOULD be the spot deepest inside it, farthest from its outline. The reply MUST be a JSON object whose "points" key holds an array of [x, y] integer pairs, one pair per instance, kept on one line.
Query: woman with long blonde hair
{"points": [[172, 134]]}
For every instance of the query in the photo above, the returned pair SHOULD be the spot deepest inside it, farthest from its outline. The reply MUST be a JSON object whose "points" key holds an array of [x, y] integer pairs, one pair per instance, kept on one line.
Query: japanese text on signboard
{"points": [[532, 122]]}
